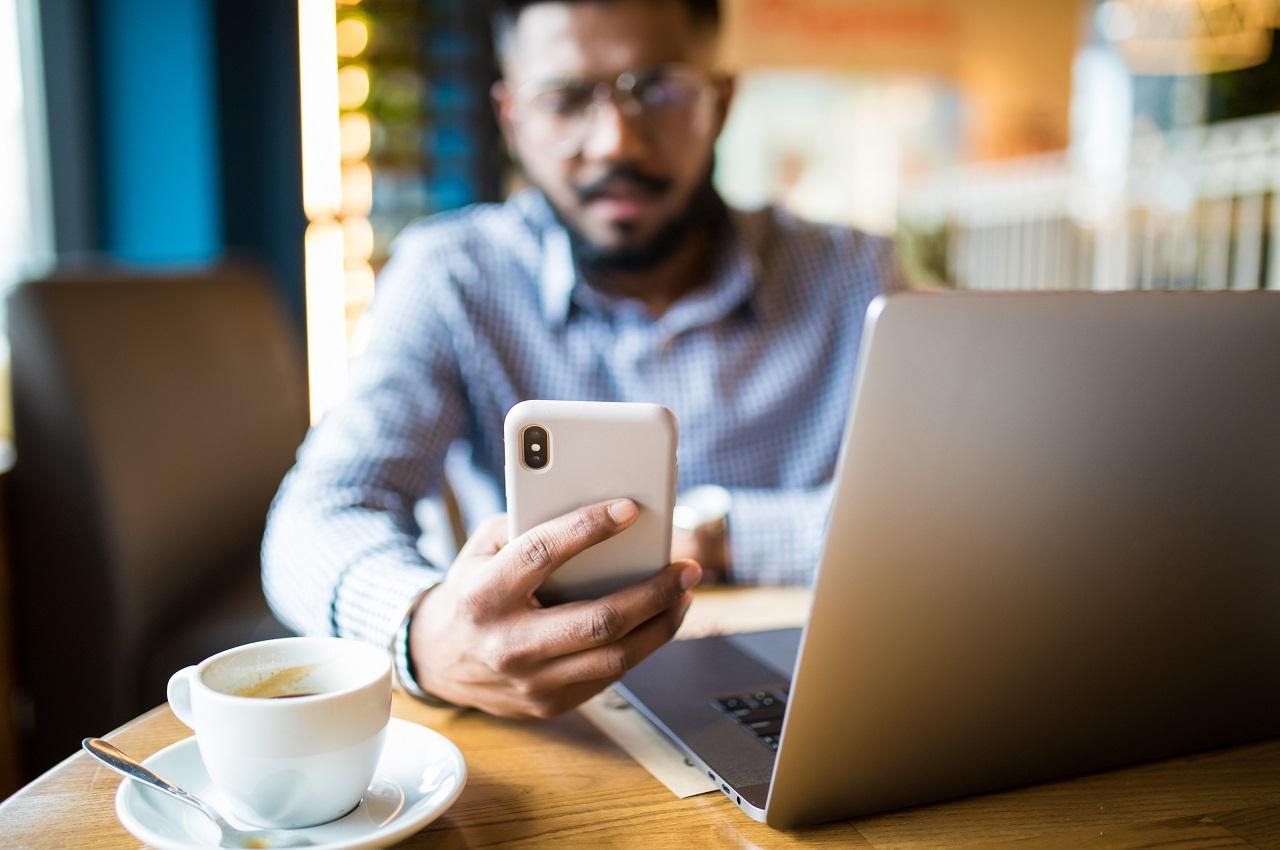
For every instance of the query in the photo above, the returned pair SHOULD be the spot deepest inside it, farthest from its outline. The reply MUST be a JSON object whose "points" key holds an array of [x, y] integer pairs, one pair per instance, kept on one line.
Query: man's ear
{"points": [[504, 111]]}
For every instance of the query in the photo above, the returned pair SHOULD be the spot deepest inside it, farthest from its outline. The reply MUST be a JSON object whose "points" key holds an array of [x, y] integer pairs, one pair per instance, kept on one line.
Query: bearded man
{"points": [[619, 276]]}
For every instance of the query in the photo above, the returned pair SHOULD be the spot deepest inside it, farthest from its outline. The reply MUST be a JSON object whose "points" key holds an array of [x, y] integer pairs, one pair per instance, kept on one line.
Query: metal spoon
{"points": [[231, 837]]}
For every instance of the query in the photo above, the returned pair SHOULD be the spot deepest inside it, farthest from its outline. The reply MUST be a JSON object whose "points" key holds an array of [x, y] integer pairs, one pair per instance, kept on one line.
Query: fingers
{"points": [[525, 562], [604, 663], [487, 540], [577, 626], [511, 704], [528, 642]]}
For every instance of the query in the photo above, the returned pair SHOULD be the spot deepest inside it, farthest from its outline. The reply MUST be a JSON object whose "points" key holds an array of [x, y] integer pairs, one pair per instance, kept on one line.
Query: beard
{"points": [[705, 212]]}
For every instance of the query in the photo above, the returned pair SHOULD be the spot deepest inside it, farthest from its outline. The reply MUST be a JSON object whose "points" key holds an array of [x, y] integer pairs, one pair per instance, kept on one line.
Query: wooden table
{"points": [[563, 784]]}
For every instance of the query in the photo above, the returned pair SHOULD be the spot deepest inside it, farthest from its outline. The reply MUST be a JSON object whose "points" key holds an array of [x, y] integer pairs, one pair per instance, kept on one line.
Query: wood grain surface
{"points": [[562, 783]]}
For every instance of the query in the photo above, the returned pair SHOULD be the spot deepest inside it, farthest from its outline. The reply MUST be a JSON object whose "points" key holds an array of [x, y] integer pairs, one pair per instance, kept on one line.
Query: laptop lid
{"points": [[1054, 547]]}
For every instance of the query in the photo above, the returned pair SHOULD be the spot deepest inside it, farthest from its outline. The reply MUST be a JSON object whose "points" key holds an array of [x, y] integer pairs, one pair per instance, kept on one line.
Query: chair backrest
{"points": [[154, 417]]}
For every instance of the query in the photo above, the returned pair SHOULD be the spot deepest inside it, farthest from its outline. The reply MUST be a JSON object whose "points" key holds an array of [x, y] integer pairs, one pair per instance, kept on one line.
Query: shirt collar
{"points": [[734, 280]]}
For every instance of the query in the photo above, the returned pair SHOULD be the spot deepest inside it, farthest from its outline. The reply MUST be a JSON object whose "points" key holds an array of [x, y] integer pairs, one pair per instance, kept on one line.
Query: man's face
{"points": [[625, 180]]}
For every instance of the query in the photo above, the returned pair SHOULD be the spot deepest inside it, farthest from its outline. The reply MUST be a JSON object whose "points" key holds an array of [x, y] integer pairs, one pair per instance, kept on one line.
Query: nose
{"points": [[613, 135]]}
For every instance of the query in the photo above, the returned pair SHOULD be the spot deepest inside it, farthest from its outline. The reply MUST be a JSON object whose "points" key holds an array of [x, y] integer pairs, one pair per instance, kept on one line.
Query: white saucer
{"points": [[419, 776]]}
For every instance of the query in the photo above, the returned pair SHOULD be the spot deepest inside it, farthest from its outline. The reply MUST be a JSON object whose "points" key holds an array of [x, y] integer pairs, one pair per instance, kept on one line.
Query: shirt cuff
{"points": [[403, 662], [775, 536], [400, 652], [372, 596]]}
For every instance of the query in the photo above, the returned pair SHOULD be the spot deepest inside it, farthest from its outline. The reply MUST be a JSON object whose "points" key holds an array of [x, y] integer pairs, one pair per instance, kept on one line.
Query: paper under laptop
{"points": [[714, 611]]}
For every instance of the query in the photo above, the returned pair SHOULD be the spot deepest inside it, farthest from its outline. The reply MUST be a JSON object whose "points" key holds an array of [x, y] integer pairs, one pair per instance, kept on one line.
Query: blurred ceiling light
{"points": [[357, 135], [318, 66], [353, 86], [357, 239], [1190, 36], [359, 279], [357, 189], [353, 37], [326, 317]]}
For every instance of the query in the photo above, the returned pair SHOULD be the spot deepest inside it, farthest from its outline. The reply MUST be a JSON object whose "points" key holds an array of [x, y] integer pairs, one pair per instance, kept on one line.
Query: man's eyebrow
{"points": [[565, 80], [644, 72], [557, 82]]}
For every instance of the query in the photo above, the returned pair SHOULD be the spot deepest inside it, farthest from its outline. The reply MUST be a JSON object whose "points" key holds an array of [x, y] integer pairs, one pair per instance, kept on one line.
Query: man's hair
{"points": [[504, 13]]}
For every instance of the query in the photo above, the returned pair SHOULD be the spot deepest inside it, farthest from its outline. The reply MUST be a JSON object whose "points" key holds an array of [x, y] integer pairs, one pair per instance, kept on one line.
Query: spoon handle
{"points": [[128, 767]]}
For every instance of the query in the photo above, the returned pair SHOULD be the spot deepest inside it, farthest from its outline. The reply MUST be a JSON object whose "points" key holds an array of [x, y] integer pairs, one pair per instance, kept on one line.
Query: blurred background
{"points": [[257, 158]]}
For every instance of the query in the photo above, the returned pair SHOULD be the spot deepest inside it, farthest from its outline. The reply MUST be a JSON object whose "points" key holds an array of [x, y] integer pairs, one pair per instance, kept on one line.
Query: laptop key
{"points": [[752, 700], [771, 728], [751, 715]]}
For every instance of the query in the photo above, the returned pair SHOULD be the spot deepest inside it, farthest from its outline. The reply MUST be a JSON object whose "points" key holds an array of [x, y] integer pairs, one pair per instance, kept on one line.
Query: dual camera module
{"points": [[537, 454]]}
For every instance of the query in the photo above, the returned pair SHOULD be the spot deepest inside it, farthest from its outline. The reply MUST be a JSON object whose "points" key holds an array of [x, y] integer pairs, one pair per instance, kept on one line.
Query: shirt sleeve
{"points": [[340, 553], [775, 536]]}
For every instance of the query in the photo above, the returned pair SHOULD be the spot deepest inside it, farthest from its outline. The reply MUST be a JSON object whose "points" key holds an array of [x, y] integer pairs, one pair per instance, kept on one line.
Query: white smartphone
{"points": [[563, 455]]}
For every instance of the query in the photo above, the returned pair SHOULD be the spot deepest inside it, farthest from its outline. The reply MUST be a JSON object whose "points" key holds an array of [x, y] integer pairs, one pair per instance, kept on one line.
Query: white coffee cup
{"points": [[290, 730]]}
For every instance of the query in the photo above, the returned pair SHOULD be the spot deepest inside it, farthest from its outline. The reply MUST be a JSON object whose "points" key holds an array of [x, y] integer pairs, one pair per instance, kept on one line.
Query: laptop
{"points": [[1053, 548]]}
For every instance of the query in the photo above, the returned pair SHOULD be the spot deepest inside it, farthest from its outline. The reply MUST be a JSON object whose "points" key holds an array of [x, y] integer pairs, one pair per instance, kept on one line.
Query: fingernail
{"points": [[623, 510], [689, 576]]}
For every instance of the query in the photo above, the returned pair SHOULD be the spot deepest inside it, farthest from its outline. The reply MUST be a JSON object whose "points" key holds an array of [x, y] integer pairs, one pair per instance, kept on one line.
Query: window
{"points": [[25, 238], [26, 230]]}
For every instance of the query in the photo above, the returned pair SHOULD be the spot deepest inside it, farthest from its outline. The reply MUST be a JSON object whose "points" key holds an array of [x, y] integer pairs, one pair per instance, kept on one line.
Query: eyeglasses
{"points": [[669, 102]]}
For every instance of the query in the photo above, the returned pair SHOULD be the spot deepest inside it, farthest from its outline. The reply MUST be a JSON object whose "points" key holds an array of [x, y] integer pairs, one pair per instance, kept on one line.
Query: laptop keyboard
{"points": [[760, 713]]}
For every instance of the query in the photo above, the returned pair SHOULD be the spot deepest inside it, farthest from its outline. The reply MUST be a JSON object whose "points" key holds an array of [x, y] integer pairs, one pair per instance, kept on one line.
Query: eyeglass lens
{"points": [[664, 101]]}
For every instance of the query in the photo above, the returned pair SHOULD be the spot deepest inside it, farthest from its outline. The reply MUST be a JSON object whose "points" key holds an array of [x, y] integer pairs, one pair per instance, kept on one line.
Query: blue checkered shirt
{"points": [[481, 308]]}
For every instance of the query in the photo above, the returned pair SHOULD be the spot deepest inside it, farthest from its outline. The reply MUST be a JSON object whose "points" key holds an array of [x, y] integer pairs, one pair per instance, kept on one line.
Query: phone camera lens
{"points": [[536, 451]]}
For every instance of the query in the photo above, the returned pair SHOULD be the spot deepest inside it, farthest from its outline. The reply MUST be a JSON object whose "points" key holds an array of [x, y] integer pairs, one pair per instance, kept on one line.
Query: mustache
{"points": [[621, 176]]}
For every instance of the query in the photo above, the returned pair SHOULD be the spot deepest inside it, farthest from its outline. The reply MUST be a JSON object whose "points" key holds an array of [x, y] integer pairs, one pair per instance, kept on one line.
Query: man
{"points": [[621, 276]]}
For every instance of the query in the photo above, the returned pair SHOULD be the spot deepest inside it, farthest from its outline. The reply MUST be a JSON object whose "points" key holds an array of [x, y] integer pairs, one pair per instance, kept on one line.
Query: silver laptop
{"points": [[1054, 547]]}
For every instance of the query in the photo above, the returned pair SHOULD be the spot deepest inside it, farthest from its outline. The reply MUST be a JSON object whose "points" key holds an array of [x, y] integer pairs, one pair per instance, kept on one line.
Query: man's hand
{"points": [[481, 639]]}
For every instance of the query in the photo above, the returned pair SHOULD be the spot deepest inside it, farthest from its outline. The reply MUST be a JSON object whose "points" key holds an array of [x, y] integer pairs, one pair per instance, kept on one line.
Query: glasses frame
{"points": [[619, 92]]}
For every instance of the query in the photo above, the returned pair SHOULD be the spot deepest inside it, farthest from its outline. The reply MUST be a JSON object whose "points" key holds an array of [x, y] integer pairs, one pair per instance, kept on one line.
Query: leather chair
{"points": [[154, 417]]}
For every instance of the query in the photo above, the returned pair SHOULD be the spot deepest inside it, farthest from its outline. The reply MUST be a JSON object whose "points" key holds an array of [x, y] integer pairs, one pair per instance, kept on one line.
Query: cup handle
{"points": [[179, 694]]}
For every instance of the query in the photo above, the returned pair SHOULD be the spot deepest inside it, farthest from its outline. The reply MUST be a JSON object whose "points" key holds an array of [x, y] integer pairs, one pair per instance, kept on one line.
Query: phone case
{"points": [[597, 451]]}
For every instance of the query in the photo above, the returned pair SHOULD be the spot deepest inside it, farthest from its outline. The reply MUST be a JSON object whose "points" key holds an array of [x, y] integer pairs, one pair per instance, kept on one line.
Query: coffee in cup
{"points": [[290, 730]]}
